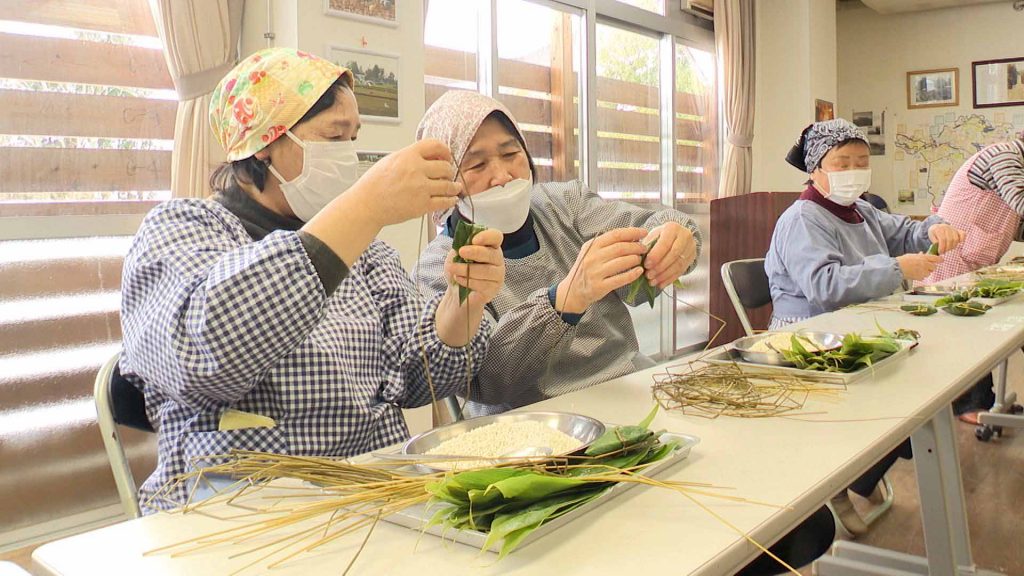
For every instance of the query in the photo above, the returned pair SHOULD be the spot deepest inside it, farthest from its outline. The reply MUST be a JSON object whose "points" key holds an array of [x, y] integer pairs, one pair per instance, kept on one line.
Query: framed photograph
{"points": [[823, 110], [383, 12], [368, 158], [377, 84], [998, 82], [873, 124], [933, 88]]}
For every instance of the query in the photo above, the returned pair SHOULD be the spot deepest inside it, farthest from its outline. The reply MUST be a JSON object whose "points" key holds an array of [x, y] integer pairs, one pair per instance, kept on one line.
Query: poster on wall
{"points": [[998, 82], [823, 110], [376, 75], [873, 125], [383, 12]]}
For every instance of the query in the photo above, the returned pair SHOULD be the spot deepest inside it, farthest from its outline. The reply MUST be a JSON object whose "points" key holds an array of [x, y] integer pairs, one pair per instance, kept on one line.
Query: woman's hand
{"points": [[409, 183], [918, 266], [484, 275], [945, 236], [605, 263], [414, 181], [674, 251]]}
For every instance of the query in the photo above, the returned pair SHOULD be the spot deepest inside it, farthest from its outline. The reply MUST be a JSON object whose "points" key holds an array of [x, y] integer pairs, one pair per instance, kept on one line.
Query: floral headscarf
{"points": [[818, 138], [454, 119], [265, 95]]}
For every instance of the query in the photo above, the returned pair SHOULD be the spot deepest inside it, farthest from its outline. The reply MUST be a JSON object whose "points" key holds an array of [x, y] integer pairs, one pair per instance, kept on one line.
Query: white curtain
{"points": [[734, 44], [200, 40]]}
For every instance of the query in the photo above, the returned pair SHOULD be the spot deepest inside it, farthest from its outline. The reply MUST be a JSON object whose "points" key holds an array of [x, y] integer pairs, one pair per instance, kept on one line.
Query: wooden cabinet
{"points": [[741, 227]]}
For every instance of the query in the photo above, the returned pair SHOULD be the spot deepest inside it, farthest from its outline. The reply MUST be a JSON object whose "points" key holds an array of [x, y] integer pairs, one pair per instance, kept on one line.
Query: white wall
{"points": [[795, 64], [302, 24], [876, 52]]}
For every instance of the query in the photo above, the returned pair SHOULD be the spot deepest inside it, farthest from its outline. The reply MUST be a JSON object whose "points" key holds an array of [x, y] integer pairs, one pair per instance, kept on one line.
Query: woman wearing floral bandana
{"points": [[830, 248], [267, 317]]}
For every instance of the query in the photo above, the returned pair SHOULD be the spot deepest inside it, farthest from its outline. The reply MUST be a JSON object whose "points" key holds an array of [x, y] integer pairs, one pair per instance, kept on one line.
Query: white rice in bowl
{"points": [[498, 439]]}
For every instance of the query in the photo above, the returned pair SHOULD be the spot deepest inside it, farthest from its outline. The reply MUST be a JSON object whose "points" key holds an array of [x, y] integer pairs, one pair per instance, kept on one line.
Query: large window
{"points": [[538, 79], [89, 107], [628, 116], [619, 93]]}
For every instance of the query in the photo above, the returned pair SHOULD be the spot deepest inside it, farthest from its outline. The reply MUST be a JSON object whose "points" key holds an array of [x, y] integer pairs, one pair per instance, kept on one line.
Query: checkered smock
{"points": [[214, 320], [986, 201], [534, 353]]}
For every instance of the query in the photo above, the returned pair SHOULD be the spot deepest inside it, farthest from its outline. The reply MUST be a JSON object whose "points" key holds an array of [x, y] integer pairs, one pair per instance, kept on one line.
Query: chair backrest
{"points": [[747, 285], [118, 401]]}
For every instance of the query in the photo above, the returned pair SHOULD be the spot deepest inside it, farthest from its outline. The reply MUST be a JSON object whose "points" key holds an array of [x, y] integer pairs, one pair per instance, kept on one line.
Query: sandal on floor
{"points": [[970, 418]]}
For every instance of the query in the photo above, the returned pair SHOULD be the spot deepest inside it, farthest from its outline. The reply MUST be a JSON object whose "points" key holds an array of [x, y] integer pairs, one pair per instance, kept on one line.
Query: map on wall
{"points": [[928, 155]]}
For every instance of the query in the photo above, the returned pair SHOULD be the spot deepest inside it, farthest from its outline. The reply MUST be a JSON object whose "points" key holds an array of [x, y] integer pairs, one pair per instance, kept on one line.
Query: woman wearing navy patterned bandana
{"points": [[831, 249], [268, 317], [562, 322]]}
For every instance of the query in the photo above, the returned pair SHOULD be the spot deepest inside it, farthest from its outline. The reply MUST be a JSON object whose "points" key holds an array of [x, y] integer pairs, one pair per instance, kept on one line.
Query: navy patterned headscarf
{"points": [[817, 139]]}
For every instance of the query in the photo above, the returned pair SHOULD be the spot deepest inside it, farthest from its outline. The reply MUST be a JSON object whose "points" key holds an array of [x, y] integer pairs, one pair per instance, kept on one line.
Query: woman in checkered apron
{"points": [[561, 321], [268, 317], [985, 199]]}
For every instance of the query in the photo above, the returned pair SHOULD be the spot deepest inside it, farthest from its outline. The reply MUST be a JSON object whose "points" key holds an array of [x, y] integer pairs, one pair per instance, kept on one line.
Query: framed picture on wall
{"points": [[377, 81], [383, 12], [933, 88], [823, 110], [998, 82]]}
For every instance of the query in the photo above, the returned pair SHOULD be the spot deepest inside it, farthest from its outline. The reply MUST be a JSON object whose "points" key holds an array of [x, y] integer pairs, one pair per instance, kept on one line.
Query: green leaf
{"points": [[464, 234], [646, 422], [533, 486]]}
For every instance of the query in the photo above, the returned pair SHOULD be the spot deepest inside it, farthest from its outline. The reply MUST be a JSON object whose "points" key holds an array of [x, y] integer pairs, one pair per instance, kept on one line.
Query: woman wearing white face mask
{"points": [[830, 248], [268, 317], [561, 319]]}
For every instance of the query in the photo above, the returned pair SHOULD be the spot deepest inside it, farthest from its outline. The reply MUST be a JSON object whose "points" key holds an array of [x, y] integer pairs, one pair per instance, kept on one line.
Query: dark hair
{"points": [[510, 127], [253, 171]]}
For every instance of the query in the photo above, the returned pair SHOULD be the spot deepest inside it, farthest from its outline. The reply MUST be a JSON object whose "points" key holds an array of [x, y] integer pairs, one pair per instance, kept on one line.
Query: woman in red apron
{"points": [[986, 200]]}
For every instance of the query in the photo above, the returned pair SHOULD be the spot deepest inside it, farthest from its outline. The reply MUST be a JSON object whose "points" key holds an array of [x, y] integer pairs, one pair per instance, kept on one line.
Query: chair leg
{"points": [[886, 504]]}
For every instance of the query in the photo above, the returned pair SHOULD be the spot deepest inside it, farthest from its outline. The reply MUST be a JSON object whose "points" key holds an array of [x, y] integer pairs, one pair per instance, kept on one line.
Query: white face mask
{"points": [[328, 170], [846, 186], [502, 207]]}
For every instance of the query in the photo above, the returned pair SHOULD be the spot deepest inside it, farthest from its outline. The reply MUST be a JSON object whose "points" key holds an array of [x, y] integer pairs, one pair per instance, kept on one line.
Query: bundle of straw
{"points": [[339, 497], [711, 391]]}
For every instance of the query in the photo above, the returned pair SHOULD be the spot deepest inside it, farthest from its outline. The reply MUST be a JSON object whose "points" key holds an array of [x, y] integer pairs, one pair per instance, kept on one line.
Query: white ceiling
{"points": [[895, 6]]}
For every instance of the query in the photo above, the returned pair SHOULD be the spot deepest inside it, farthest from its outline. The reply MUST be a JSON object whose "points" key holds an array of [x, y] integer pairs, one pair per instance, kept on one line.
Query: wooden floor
{"points": [[993, 477]]}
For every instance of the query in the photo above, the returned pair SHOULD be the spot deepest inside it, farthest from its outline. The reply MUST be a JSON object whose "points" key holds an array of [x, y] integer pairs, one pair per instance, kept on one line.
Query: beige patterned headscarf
{"points": [[454, 119]]}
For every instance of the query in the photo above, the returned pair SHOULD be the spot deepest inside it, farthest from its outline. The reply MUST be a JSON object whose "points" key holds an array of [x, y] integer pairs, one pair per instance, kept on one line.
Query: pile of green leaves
{"points": [[855, 353], [464, 234], [988, 288], [992, 288], [508, 503]]}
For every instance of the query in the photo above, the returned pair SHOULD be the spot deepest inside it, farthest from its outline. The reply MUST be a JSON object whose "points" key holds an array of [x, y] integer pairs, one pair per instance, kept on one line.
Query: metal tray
{"points": [[416, 517], [732, 356]]}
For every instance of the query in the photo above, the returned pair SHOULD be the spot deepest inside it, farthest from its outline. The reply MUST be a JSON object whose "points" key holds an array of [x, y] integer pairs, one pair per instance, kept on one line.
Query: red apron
{"points": [[988, 221]]}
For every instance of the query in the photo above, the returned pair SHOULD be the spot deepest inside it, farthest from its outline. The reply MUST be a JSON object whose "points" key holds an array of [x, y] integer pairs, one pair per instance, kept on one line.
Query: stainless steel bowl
{"points": [[583, 428], [824, 340]]}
